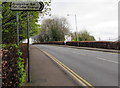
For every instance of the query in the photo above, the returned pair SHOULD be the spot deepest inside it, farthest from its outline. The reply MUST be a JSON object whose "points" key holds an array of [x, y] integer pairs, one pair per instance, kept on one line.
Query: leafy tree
{"points": [[9, 23], [53, 29], [74, 36], [83, 36]]}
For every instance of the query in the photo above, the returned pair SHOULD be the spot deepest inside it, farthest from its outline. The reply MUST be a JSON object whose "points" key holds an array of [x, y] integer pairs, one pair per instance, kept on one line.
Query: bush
{"points": [[92, 44], [13, 72]]}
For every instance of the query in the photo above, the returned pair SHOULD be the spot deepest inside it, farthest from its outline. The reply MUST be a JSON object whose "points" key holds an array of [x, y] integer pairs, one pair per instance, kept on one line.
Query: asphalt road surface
{"points": [[96, 67]]}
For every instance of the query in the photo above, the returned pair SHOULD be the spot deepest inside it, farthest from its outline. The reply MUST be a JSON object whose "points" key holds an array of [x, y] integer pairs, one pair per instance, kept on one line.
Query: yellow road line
{"points": [[72, 73], [77, 75]]}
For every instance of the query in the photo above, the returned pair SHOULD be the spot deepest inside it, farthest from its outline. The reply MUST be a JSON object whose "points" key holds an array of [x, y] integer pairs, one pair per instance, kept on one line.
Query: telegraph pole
{"points": [[76, 29]]}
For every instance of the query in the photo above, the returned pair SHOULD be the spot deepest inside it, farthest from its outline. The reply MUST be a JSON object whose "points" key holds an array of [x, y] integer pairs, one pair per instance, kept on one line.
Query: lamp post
{"points": [[76, 26]]}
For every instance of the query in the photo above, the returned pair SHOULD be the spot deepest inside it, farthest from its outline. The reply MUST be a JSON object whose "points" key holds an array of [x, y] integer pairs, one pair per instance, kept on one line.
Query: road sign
{"points": [[27, 6]]}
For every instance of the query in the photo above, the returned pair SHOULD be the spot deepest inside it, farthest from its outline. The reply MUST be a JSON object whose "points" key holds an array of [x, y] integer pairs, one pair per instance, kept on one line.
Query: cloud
{"points": [[99, 17], [107, 24]]}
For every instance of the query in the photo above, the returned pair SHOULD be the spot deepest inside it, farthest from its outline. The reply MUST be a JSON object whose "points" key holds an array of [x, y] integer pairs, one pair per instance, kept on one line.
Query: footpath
{"points": [[44, 72], [0, 67]]}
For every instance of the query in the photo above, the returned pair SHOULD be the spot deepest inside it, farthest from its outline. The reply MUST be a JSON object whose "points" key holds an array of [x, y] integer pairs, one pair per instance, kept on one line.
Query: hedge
{"points": [[13, 72], [92, 44]]}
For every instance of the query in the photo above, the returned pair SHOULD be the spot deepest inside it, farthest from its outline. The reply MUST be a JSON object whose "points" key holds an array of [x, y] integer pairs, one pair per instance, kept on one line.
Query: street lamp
{"points": [[76, 26]]}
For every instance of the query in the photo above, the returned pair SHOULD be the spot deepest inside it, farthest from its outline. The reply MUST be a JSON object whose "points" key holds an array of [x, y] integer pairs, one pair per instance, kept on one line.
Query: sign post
{"points": [[17, 28], [26, 6], [28, 48]]}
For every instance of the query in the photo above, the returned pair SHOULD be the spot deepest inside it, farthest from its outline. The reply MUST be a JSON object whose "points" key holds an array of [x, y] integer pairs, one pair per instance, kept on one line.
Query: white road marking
{"points": [[107, 60], [78, 53], [58, 47], [113, 53]]}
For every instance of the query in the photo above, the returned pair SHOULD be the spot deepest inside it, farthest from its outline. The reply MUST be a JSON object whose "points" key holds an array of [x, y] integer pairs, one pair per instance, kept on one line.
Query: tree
{"points": [[53, 29], [9, 23], [83, 36], [74, 37]]}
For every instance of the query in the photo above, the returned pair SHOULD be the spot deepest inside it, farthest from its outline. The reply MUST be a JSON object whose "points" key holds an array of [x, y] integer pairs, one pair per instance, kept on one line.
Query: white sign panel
{"points": [[27, 6]]}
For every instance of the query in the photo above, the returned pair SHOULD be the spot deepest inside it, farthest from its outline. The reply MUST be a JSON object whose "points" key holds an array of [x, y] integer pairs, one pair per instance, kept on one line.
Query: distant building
{"points": [[68, 38], [30, 40]]}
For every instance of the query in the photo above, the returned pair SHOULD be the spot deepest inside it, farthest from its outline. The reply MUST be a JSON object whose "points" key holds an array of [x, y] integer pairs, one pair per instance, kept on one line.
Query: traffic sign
{"points": [[27, 6]]}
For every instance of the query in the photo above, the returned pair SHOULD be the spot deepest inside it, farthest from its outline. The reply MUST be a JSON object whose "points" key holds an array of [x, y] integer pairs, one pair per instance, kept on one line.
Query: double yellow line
{"points": [[79, 79]]}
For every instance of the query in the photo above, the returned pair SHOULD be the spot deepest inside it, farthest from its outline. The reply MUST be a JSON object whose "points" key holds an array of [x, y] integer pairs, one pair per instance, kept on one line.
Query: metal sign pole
{"points": [[17, 28], [28, 48]]}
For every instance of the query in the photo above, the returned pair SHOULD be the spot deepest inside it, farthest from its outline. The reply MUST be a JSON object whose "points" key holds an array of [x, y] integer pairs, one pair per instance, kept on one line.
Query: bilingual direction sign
{"points": [[27, 6]]}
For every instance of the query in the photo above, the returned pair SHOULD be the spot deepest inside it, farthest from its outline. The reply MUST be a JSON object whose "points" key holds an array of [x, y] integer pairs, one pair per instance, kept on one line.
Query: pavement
{"points": [[96, 67], [45, 72], [0, 67]]}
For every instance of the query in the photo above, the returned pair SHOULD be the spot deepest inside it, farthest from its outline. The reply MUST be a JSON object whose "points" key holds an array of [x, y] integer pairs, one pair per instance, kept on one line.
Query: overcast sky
{"points": [[99, 17]]}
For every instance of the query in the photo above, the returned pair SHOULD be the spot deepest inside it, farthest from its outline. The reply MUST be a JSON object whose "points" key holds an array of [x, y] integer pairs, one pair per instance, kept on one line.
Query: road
{"points": [[98, 68]]}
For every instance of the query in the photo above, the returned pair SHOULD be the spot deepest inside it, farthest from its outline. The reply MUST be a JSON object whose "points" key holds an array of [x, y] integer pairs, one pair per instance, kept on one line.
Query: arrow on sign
{"points": [[27, 6]]}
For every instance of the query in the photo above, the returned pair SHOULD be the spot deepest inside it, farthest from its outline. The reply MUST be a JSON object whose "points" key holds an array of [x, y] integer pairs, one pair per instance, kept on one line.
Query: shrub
{"points": [[12, 66]]}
